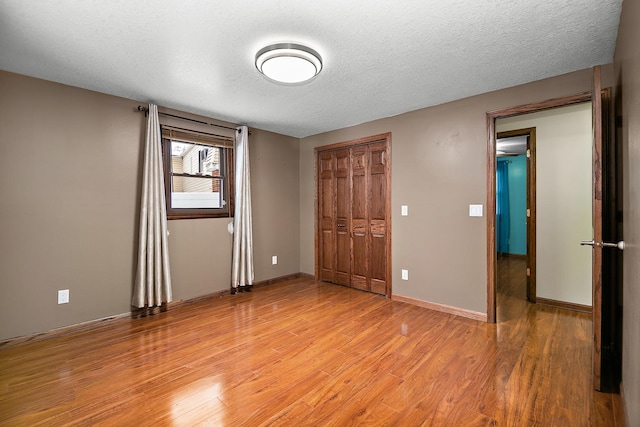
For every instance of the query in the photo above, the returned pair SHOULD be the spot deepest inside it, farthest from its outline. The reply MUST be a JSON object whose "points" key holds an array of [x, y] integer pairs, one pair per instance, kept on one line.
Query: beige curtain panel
{"points": [[242, 260], [153, 279]]}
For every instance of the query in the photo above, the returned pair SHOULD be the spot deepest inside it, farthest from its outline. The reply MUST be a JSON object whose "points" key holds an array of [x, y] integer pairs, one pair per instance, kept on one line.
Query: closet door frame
{"points": [[380, 138]]}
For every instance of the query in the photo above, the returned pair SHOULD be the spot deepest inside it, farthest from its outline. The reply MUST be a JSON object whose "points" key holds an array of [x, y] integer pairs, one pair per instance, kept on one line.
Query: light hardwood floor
{"points": [[312, 354]]}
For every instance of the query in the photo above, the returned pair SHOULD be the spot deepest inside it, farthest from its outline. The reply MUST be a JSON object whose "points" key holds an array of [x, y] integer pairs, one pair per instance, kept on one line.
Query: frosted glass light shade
{"points": [[288, 62]]}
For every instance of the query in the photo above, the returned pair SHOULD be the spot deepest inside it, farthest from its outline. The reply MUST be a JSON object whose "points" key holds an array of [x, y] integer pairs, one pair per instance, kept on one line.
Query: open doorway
{"points": [[604, 184], [493, 119], [515, 216], [563, 197]]}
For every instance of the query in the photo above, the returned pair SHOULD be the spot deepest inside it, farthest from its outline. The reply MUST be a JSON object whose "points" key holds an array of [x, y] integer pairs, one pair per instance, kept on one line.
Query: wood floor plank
{"points": [[359, 406], [308, 353]]}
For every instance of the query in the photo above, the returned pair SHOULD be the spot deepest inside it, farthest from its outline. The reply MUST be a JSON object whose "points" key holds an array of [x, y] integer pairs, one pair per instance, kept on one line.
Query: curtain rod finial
{"points": [[145, 109], [239, 129]]}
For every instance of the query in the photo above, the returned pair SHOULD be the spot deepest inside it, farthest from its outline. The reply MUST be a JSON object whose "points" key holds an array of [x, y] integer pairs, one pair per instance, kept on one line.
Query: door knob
{"points": [[619, 245]]}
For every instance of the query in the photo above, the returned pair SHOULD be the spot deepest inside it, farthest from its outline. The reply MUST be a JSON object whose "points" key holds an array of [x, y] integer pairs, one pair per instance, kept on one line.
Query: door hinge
{"points": [[528, 153], [528, 272], [528, 213]]}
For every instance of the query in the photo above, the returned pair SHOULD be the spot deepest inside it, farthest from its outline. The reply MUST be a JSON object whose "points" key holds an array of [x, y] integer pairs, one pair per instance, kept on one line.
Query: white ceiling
{"points": [[381, 58]]}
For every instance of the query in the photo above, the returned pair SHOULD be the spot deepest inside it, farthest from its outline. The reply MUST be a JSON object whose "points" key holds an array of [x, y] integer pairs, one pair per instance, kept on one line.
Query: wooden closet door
{"points": [[343, 222], [326, 215], [353, 240], [377, 203], [359, 218]]}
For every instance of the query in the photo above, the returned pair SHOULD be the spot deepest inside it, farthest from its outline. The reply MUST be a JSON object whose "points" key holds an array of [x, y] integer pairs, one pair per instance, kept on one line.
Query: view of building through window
{"points": [[195, 176]]}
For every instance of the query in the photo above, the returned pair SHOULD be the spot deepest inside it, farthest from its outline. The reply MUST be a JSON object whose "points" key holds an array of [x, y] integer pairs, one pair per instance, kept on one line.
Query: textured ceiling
{"points": [[381, 58]]}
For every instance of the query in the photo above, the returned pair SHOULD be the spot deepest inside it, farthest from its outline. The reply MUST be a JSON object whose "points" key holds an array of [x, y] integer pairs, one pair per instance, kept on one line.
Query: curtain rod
{"points": [[146, 110]]}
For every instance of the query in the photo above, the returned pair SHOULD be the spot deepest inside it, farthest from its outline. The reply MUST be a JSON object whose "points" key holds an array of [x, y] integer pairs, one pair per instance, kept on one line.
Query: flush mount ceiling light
{"points": [[288, 62]]}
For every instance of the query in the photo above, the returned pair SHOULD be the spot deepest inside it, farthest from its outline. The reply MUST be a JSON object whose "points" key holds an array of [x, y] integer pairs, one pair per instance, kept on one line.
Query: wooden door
{"points": [[360, 218], [612, 268], [343, 220], [607, 312], [531, 216], [353, 238], [378, 221], [596, 103], [326, 216]]}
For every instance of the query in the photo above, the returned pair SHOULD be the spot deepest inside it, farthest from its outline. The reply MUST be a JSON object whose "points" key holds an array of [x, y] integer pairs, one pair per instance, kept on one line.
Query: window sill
{"points": [[198, 215]]}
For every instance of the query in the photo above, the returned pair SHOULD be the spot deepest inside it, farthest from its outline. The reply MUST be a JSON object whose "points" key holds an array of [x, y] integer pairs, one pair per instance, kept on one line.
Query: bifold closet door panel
{"points": [[326, 213], [343, 221], [377, 204], [359, 218]]}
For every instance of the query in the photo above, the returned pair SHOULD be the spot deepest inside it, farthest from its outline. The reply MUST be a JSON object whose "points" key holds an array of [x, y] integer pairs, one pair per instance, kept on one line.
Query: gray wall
{"points": [[438, 168], [627, 72], [70, 170], [275, 192]]}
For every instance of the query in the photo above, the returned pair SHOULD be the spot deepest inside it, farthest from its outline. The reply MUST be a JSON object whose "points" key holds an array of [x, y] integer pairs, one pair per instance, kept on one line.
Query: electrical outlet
{"points": [[274, 260], [63, 296], [405, 274], [404, 210]]}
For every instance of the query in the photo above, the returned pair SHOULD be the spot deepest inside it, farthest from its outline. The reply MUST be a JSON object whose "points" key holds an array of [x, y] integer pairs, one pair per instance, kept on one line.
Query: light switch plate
{"points": [[274, 260], [404, 210], [475, 210], [405, 274], [63, 296]]}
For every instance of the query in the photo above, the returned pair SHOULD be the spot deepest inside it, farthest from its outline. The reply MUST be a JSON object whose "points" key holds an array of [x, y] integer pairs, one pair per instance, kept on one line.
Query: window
{"points": [[198, 173]]}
